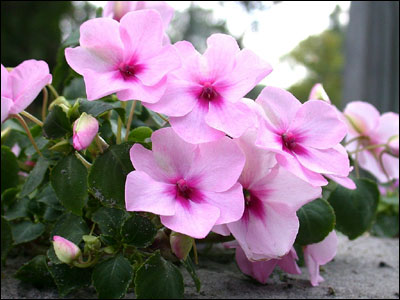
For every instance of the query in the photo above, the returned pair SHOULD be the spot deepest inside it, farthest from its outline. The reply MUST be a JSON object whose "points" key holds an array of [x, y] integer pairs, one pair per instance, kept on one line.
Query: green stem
{"points": [[28, 132], [356, 167], [53, 91], [196, 258], [44, 104], [354, 139], [86, 264], [370, 147], [162, 117], [87, 164], [32, 118], [382, 166], [119, 128], [130, 118]]}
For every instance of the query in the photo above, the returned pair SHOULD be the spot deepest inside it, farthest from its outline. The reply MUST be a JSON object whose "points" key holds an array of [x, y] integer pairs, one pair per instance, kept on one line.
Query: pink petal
{"points": [[291, 164], [391, 165], [313, 270], [279, 106], [171, 153], [27, 80], [288, 262], [231, 118], [117, 9], [193, 127], [343, 181], [193, 219], [5, 88], [249, 70], [220, 55], [362, 115], [218, 165], [165, 10], [327, 161], [221, 229], [370, 162], [194, 65], [178, 99], [318, 126], [318, 93], [6, 104], [388, 128], [138, 91], [156, 67], [143, 160], [230, 203], [143, 193], [142, 34], [268, 137]]}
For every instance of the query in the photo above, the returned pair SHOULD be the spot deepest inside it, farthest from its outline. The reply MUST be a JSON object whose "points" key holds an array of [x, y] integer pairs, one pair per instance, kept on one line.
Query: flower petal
{"points": [[143, 193], [288, 262], [388, 128], [138, 91], [364, 117], [6, 105], [5, 85]]}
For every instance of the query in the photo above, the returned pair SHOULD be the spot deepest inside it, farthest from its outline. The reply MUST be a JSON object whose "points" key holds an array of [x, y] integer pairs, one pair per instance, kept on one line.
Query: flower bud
{"points": [[180, 244], [318, 93], [61, 101], [65, 250], [91, 242], [85, 129]]}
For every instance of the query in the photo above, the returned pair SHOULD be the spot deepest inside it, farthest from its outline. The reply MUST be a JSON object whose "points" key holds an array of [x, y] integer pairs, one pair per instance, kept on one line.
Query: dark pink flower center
{"points": [[208, 92], [183, 189], [253, 205], [289, 141], [127, 71]]}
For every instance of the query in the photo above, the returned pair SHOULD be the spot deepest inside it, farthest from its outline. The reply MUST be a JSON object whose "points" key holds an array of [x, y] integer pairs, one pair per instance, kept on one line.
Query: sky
{"points": [[280, 29]]}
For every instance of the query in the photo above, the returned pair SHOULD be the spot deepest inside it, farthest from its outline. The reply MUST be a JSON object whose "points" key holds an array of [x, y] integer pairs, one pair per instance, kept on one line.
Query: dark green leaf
{"points": [[98, 107], [69, 180], [18, 209], [138, 231], [9, 169], [6, 238], [115, 164], [317, 219], [69, 279], [156, 118], [26, 231], [9, 196], [70, 227], [140, 134], [35, 177], [56, 124], [35, 272], [112, 277], [110, 220], [188, 263], [355, 209], [158, 279], [50, 214], [75, 89], [48, 196], [386, 225]]}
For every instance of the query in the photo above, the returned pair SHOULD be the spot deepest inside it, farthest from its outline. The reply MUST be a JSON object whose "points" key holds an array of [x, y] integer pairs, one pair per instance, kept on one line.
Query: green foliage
{"points": [[35, 272], [9, 169], [138, 231], [6, 239], [26, 231], [35, 177], [56, 124]]}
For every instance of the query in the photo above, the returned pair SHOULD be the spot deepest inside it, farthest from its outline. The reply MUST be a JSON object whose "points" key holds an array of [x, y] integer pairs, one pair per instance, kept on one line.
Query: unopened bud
{"points": [[91, 242], [65, 250], [318, 93], [180, 244], [84, 130]]}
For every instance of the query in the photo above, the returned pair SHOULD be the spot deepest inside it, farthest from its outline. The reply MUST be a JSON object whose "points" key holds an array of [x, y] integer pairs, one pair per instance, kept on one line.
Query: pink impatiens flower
{"points": [[21, 85], [65, 250], [192, 187], [84, 130], [261, 270], [124, 57], [305, 136], [269, 225], [374, 131], [203, 96], [319, 254]]}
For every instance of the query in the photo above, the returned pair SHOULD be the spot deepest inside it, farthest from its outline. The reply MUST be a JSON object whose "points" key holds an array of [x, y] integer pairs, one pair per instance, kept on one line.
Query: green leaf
{"points": [[69, 279], [35, 177], [188, 263], [9, 169], [98, 107], [156, 118], [112, 277], [70, 227], [138, 231], [35, 272], [6, 238], [108, 174], [355, 209], [157, 278], [26, 231], [386, 225], [48, 196], [317, 219], [110, 220], [56, 124], [69, 180], [140, 134], [18, 209], [9, 196]]}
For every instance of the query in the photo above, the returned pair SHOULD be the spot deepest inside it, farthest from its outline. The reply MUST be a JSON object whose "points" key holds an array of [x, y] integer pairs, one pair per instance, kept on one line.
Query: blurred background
{"points": [[352, 48]]}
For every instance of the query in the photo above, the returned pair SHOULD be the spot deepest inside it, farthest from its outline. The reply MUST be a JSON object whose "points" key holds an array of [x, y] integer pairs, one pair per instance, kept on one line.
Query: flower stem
{"points": [[28, 132], [370, 147], [381, 164], [53, 91], [356, 167], [354, 139], [130, 118], [196, 258], [162, 117], [101, 144], [83, 160], [119, 128], [32, 118], [44, 104]]}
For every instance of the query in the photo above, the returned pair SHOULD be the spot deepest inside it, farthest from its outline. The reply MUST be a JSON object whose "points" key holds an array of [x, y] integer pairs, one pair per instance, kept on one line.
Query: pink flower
{"points": [[373, 129], [318, 93], [269, 225], [319, 254], [192, 187], [261, 270], [65, 250], [21, 85], [305, 136], [84, 130], [202, 97], [126, 58]]}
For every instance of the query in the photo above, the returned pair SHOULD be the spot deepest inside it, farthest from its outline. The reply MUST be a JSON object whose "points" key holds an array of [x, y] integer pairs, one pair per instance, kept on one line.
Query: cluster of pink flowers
{"points": [[227, 164]]}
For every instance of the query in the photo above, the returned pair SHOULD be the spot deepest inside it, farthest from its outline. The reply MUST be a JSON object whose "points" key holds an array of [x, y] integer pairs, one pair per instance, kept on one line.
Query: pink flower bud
{"points": [[85, 129], [65, 250], [318, 93], [180, 244]]}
